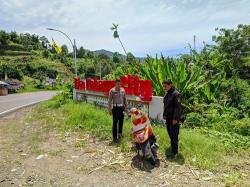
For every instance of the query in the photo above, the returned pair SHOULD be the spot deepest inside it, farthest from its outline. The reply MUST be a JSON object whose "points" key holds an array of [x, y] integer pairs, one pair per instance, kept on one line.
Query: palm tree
{"points": [[116, 35]]}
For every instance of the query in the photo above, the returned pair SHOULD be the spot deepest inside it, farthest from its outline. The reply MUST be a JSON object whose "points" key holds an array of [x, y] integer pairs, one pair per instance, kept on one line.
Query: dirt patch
{"points": [[35, 154]]}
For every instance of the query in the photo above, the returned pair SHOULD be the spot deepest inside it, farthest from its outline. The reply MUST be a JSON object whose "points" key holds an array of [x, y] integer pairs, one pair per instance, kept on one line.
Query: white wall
{"points": [[156, 108]]}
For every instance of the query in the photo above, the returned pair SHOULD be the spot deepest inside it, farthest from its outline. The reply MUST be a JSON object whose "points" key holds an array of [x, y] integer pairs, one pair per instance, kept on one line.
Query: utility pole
{"points": [[100, 70], [194, 43], [75, 49]]}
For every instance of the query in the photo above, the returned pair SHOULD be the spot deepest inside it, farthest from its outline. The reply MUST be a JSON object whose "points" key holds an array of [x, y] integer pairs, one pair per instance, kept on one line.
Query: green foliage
{"points": [[189, 78], [13, 47], [231, 141], [11, 71], [38, 72], [116, 58], [130, 57], [52, 73], [209, 77], [39, 83], [65, 50], [90, 55], [86, 118], [236, 93], [45, 42], [232, 45], [81, 52], [220, 118], [194, 119], [195, 148], [3, 38], [28, 85], [90, 72], [45, 53]]}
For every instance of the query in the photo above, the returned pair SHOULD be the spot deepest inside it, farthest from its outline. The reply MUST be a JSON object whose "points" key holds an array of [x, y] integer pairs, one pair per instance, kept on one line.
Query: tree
{"points": [[65, 50], [90, 55], [116, 58], [106, 67], [51, 73], [14, 37], [10, 71], [81, 52], [104, 57], [45, 53], [90, 72], [116, 35], [3, 38], [45, 42], [35, 39], [130, 57], [231, 46]]}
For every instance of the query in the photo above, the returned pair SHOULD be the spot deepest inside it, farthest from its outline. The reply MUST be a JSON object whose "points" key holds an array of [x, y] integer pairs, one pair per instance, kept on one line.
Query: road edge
{"points": [[20, 107]]}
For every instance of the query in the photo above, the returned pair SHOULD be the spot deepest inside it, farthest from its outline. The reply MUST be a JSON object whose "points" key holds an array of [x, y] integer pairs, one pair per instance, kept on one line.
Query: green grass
{"points": [[29, 86], [196, 147]]}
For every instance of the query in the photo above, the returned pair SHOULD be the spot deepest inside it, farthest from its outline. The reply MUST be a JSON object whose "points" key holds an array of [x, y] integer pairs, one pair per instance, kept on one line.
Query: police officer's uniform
{"points": [[172, 111], [117, 104]]}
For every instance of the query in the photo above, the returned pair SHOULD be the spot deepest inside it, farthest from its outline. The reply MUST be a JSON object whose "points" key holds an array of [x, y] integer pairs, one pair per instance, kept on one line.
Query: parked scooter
{"points": [[143, 135]]}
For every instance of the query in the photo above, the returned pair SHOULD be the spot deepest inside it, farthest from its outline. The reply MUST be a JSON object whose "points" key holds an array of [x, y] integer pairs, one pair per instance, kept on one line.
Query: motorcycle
{"points": [[143, 135]]}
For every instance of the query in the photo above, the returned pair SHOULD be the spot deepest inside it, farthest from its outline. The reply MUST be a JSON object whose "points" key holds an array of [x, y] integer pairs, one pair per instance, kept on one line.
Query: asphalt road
{"points": [[13, 102]]}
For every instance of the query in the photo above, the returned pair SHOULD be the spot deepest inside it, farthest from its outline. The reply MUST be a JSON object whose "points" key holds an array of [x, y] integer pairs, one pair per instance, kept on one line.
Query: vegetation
{"points": [[203, 148], [32, 56], [214, 85], [28, 58], [215, 94]]}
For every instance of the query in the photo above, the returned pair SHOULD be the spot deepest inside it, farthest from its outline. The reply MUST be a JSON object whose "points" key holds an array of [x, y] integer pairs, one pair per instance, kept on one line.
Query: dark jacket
{"points": [[172, 105]]}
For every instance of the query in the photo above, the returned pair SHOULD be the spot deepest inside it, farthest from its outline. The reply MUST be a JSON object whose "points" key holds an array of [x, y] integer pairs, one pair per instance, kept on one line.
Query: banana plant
{"points": [[186, 77]]}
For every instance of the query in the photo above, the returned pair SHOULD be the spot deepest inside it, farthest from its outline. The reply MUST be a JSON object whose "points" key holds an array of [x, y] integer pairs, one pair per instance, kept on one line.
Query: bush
{"points": [[45, 53], [39, 84], [11, 71], [51, 73], [194, 120], [15, 73], [237, 93], [220, 118]]}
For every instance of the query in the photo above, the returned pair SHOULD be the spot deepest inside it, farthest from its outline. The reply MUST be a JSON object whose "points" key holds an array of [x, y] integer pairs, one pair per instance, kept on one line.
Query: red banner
{"points": [[133, 86]]}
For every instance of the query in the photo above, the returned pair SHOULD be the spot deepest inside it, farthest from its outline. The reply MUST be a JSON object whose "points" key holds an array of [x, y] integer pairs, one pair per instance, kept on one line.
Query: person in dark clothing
{"points": [[172, 115], [117, 104]]}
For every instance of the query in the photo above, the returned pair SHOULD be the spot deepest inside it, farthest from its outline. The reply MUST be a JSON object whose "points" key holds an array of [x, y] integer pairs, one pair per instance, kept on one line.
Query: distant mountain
{"points": [[108, 53]]}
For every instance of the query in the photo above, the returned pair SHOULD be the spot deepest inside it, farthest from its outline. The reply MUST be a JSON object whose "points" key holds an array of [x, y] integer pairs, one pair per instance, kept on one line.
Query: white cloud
{"points": [[145, 26]]}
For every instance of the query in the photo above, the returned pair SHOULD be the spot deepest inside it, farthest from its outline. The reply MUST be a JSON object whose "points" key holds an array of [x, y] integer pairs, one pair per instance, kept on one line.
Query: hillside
{"points": [[30, 67]]}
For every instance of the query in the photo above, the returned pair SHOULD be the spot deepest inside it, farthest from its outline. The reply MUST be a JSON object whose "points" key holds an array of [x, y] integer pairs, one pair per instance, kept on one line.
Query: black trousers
{"points": [[173, 132], [118, 118]]}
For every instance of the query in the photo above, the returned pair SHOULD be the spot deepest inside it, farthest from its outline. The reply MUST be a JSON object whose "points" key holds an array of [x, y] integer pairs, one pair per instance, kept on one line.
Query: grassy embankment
{"points": [[199, 147]]}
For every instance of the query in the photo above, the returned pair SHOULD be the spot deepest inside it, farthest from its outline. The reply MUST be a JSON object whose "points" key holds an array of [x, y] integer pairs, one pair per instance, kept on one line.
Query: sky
{"points": [[145, 26]]}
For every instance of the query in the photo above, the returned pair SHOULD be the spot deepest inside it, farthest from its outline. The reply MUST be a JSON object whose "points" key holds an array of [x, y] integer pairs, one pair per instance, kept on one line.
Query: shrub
{"points": [[220, 118], [11, 71], [194, 120]]}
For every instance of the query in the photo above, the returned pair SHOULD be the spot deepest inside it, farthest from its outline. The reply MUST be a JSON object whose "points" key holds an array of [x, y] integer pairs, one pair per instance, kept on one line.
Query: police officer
{"points": [[172, 115], [117, 105]]}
